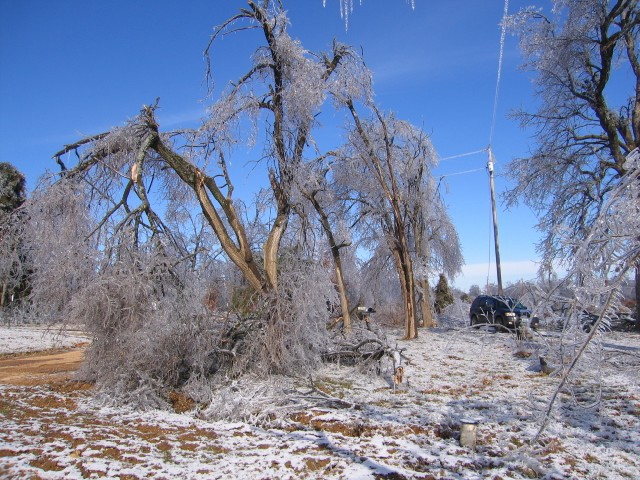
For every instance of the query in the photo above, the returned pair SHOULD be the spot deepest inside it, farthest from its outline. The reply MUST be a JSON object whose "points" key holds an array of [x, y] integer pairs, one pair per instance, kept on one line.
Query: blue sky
{"points": [[74, 68]]}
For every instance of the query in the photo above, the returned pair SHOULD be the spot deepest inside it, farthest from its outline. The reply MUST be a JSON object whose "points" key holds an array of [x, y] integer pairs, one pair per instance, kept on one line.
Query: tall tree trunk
{"points": [[407, 287], [271, 248], [342, 290], [337, 261], [425, 304]]}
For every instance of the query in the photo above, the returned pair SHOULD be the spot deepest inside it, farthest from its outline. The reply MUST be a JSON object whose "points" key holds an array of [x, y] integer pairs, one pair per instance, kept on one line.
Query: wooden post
{"points": [[495, 221]]}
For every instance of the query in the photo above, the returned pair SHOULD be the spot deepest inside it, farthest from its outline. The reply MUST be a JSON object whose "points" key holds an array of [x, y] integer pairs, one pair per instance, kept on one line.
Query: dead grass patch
{"points": [[197, 434], [164, 446], [315, 464], [46, 464], [50, 402], [217, 449], [180, 402], [355, 429], [150, 432], [71, 386], [8, 453], [523, 354], [551, 446], [189, 447]]}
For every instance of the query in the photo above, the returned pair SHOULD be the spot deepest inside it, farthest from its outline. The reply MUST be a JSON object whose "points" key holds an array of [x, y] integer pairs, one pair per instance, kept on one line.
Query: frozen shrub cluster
{"points": [[148, 335], [455, 315], [250, 398], [288, 333], [153, 331], [56, 252]]}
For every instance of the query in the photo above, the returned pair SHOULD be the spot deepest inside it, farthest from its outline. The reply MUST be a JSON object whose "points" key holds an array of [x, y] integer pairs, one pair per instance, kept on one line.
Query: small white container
{"points": [[468, 433]]}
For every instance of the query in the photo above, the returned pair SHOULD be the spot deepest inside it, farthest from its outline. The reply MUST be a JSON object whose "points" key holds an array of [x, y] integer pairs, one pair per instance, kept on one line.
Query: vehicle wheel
{"points": [[500, 326], [474, 321], [535, 324]]}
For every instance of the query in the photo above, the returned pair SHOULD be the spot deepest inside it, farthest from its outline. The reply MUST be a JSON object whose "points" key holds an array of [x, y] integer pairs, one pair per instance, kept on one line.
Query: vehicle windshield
{"points": [[513, 304]]}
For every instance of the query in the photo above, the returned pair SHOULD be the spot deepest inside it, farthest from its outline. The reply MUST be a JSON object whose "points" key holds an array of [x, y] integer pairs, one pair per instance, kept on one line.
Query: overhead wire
{"points": [[494, 115], [462, 173], [503, 33], [463, 155]]}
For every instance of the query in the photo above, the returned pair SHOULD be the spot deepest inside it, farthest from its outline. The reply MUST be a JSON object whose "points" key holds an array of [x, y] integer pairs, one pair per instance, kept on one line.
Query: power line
{"points": [[461, 173], [495, 98], [463, 155]]}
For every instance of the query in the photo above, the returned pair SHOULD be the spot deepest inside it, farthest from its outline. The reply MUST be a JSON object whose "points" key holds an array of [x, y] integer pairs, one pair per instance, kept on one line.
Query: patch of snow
{"points": [[21, 339]]}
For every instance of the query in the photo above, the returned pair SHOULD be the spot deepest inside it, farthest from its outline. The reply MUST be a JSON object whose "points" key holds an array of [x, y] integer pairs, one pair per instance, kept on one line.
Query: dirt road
{"points": [[41, 367]]}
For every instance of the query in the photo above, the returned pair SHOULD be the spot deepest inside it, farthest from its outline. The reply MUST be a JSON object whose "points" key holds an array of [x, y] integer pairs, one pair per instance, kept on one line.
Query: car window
{"points": [[510, 305], [515, 304]]}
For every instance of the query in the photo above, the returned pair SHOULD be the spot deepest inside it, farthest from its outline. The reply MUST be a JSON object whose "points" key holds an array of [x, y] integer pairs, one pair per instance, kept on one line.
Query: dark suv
{"points": [[503, 311]]}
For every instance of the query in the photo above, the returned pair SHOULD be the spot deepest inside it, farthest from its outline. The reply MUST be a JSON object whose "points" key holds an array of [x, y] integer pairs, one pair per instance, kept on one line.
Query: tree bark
{"points": [[425, 304], [407, 287], [337, 261], [240, 253], [342, 291]]}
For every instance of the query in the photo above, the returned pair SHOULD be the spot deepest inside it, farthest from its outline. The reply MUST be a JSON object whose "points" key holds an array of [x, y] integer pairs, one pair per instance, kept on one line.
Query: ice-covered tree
{"points": [[435, 239], [285, 83], [388, 168], [152, 193], [596, 273], [318, 191], [474, 291], [584, 58]]}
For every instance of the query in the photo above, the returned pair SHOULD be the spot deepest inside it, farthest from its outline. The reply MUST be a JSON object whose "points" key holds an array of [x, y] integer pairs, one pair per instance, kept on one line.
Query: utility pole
{"points": [[495, 220]]}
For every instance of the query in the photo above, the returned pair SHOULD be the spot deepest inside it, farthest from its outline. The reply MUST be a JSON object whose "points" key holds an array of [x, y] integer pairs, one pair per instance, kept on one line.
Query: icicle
{"points": [[346, 14], [346, 6]]}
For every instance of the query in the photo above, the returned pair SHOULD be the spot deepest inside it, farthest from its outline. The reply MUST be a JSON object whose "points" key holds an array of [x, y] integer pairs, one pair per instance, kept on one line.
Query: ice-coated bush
{"points": [[147, 335], [288, 332]]}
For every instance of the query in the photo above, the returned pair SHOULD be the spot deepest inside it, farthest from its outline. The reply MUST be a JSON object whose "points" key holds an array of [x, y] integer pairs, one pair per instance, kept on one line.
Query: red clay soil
{"points": [[40, 367]]}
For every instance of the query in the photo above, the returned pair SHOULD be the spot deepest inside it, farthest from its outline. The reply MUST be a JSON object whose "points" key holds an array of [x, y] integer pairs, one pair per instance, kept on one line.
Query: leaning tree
{"points": [[584, 58], [144, 201], [137, 176], [283, 89]]}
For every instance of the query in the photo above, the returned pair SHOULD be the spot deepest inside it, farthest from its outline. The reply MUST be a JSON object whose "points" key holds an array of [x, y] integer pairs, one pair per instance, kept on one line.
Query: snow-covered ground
{"points": [[352, 426], [20, 339]]}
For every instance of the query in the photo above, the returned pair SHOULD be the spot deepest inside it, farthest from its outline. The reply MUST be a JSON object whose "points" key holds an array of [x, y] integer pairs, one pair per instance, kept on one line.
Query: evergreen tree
{"points": [[444, 296], [13, 279], [12, 188]]}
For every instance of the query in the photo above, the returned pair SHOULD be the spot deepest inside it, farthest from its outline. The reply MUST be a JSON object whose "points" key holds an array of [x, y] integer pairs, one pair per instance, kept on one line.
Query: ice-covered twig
{"points": [[574, 361]]}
